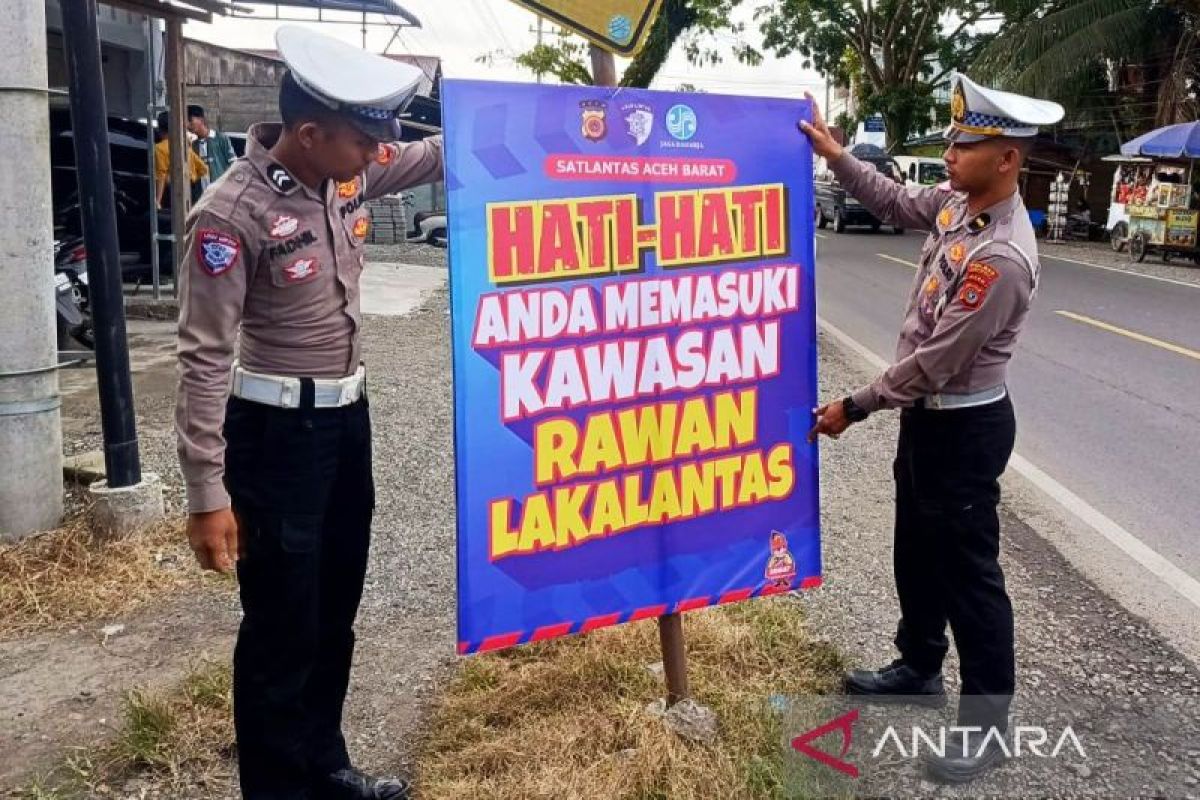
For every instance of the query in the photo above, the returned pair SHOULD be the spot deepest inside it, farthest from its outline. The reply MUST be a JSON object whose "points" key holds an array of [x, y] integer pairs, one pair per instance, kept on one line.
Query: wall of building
{"points": [[236, 88]]}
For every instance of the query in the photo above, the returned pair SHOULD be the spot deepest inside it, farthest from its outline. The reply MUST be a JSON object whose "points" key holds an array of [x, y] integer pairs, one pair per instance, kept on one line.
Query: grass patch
{"points": [[174, 739], [66, 576], [567, 719]]}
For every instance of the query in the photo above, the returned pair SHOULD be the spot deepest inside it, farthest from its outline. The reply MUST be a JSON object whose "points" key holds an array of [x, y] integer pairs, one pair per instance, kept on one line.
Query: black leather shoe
{"points": [[897, 683], [955, 767], [350, 784]]}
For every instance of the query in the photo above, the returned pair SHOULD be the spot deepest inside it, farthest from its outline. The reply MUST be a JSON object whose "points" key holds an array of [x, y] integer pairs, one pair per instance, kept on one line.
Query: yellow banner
{"points": [[619, 26]]}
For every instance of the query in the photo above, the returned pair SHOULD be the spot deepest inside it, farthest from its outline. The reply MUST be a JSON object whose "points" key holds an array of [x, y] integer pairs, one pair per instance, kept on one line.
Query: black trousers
{"points": [[946, 552], [303, 493]]}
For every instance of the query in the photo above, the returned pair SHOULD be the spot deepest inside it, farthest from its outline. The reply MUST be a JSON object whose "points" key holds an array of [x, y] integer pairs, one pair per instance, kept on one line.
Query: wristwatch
{"points": [[854, 412]]}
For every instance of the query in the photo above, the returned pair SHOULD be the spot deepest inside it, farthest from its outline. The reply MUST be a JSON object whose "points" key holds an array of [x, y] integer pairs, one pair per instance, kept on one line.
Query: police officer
{"points": [[978, 273], [275, 446]]}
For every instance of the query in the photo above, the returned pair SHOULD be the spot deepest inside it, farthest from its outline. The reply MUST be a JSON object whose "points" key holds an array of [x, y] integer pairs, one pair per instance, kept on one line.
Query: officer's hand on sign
{"points": [[831, 421], [834, 418], [213, 536], [823, 143]]}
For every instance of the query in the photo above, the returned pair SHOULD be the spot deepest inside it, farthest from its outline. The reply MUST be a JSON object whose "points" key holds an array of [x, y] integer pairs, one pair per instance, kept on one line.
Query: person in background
{"points": [[213, 147], [196, 168]]}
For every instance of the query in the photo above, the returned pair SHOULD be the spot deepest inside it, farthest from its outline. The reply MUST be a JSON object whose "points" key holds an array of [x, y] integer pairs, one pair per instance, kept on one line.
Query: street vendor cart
{"points": [[1157, 194]]}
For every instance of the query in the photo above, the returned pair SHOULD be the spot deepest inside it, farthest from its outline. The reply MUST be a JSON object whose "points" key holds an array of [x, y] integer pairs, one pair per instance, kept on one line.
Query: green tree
{"points": [[1124, 66], [692, 22], [893, 52]]}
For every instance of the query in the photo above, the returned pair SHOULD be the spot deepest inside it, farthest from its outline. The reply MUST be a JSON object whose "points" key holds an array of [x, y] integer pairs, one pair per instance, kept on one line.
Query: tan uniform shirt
{"points": [[267, 253], [971, 293]]}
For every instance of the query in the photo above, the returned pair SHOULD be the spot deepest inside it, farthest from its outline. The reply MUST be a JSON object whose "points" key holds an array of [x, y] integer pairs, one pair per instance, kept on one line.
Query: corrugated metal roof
{"points": [[391, 7]]}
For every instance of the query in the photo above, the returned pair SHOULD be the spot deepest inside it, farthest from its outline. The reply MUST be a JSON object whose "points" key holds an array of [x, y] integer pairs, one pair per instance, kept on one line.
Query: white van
{"points": [[921, 170]]}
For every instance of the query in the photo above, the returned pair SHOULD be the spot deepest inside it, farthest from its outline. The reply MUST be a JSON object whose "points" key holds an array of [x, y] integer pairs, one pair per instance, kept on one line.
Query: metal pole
{"points": [[181, 186], [670, 626], [674, 651], [151, 113], [31, 487], [541, 22], [89, 112]]}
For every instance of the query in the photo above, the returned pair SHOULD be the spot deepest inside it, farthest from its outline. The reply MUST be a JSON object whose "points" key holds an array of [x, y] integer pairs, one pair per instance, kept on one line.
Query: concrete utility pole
{"points": [[31, 482]]}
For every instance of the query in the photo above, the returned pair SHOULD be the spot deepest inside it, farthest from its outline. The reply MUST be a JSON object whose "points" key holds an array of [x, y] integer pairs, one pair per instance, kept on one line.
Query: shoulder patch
{"points": [[216, 251], [978, 278], [386, 155]]}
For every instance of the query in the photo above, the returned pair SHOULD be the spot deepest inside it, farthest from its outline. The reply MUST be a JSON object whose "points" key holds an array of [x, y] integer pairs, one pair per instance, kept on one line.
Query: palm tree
{"points": [[1133, 64]]}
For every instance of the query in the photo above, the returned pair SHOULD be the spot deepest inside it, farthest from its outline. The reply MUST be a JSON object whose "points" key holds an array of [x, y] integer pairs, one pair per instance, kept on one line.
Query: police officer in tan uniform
{"points": [[273, 423], [977, 276]]}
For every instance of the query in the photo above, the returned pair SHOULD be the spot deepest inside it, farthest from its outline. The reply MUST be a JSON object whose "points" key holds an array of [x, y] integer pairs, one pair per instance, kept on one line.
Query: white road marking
{"points": [[1184, 584], [899, 260], [1137, 337], [1121, 271], [1080, 263]]}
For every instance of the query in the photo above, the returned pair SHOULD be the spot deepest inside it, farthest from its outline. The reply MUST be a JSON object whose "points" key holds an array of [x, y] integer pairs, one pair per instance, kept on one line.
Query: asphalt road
{"points": [[1106, 379]]}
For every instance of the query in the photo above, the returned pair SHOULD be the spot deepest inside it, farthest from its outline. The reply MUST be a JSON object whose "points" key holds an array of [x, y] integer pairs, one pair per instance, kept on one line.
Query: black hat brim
{"points": [[381, 130]]}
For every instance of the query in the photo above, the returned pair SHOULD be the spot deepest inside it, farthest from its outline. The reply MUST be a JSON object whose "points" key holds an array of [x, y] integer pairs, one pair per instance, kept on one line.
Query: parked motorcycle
{"points": [[72, 306], [425, 227]]}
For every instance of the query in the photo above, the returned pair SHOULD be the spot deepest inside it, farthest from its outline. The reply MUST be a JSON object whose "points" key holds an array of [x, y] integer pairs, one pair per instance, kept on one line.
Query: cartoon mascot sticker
{"points": [[781, 567]]}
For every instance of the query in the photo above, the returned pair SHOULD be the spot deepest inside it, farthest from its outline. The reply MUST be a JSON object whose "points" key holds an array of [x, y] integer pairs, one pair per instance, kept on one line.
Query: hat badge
{"points": [[958, 104]]}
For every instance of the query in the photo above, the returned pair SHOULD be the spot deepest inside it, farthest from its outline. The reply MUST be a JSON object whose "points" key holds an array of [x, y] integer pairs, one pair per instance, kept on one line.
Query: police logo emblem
{"points": [[957, 251], [976, 283], [593, 123], [386, 154], [348, 189], [301, 270], [284, 226], [282, 179], [216, 251], [945, 218], [361, 226], [639, 121]]}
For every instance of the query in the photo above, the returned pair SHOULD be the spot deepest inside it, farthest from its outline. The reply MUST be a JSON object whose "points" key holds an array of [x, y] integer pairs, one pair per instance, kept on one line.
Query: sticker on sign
{"points": [[619, 26]]}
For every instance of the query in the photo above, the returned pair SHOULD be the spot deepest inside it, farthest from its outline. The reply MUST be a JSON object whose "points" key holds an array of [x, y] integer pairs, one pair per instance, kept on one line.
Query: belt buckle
{"points": [[286, 393], [934, 401], [347, 394]]}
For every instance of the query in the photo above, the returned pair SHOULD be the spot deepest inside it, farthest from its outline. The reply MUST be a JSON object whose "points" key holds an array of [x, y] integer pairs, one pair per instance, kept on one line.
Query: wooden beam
{"points": [[180, 186]]}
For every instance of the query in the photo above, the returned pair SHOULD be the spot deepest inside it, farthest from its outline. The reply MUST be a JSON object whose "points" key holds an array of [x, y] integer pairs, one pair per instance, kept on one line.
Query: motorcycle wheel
{"points": [[85, 335]]}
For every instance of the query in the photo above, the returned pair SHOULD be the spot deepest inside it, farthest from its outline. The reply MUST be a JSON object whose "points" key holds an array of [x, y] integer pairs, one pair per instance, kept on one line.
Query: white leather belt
{"points": [[280, 392], [944, 402]]}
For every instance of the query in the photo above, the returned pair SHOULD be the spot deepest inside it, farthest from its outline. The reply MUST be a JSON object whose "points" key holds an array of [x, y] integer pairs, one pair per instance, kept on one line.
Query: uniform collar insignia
{"points": [[280, 178], [980, 222]]}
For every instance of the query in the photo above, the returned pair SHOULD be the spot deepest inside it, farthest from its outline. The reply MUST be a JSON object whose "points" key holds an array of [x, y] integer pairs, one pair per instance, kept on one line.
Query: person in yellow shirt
{"points": [[197, 169]]}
